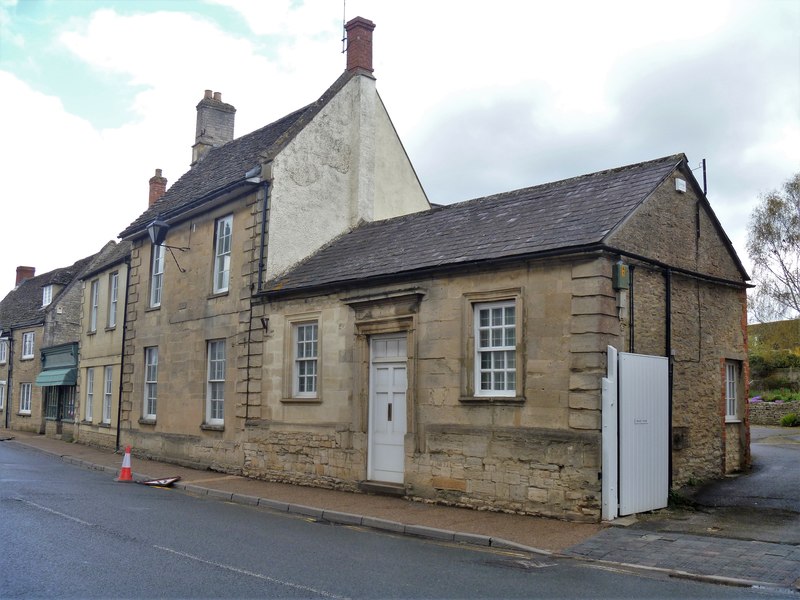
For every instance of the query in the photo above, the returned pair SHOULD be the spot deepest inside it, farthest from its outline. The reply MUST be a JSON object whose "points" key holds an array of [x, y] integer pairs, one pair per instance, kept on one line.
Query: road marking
{"points": [[55, 512], [251, 574]]}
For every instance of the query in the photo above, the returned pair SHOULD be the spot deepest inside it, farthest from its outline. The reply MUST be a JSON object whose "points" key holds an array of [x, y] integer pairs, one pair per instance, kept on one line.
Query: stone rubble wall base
{"points": [[105, 439], [186, 450], [515, 470]]}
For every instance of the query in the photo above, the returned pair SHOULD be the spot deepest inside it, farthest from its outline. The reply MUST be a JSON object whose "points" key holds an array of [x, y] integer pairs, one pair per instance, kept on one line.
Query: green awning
{"points": [[57, 377]]}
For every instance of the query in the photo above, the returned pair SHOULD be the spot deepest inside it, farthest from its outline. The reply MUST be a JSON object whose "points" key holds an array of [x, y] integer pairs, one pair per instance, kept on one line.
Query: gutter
{"points": [[598, 248], [185, 211]]}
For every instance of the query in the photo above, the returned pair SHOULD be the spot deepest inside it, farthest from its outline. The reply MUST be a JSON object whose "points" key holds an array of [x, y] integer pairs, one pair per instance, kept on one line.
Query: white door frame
{"points": [[398, 359]]}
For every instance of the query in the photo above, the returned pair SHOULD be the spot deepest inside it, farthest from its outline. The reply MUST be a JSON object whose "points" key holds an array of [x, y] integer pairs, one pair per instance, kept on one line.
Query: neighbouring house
{"points": [[248, 209], [459, 354], [39, 350], [102, 317]]}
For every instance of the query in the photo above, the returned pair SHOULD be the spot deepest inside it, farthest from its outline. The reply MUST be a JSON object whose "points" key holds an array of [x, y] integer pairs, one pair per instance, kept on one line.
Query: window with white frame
{"points": [[69, 403], [731, 391], [215, 388], [28, 340], [108, 381], [47, 295], [150, 382], [88, 410], [156, 275], [3, 351], [2, 395], [222, 254], [113, 294], [25, 390], [93, 302], [495, 349], [306, 346]]}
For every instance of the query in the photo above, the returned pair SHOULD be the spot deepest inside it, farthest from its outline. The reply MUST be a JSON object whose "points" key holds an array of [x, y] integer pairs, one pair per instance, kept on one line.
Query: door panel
{"points": [[643, 433], [387, 418]]}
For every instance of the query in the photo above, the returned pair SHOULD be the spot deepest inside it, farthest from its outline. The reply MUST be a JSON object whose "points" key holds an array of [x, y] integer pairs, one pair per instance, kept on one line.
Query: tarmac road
{"points": [[762, 505]]}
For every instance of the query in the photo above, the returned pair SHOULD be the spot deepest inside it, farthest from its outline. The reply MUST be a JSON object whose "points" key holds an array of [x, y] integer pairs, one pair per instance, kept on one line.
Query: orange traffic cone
{"points": [[125, 474]]}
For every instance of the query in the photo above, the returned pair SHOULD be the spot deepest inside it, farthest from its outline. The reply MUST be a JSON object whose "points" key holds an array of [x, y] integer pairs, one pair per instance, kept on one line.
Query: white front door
{"points": [[387, 408]]}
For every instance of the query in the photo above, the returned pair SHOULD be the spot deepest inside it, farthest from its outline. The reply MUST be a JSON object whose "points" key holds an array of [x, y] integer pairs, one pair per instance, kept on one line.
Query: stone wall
{"points": [[705, 325], [769, 413], [537, 453], [510, 469], [101, 436], [190, 315], [319, 456]]}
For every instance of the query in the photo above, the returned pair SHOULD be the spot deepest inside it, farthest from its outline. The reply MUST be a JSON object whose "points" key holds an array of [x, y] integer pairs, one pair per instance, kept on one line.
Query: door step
{"points": [[383, 488]]}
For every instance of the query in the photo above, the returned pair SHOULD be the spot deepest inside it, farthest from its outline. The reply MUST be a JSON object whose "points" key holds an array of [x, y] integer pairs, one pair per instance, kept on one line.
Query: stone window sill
{"points": [[144, 421], [207, 427], [301, 400], [479, 400]]}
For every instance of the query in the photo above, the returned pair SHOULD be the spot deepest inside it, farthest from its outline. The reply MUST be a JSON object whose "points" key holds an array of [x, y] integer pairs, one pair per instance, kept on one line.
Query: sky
{"points": [[486, 96]]}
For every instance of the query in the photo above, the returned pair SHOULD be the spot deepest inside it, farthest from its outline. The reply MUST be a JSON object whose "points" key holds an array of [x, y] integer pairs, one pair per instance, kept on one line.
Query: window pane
{"points": [[484, 338], [497, 316]]}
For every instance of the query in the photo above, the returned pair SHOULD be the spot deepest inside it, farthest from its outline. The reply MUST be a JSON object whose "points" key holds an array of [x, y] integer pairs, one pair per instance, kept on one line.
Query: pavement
{"points": [[685, 541]]}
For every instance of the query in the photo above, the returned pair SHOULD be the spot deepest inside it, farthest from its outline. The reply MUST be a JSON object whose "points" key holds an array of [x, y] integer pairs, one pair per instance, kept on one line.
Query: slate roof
{"points": [[227, 164], [570, 214], [111, 254], [23, 305]]}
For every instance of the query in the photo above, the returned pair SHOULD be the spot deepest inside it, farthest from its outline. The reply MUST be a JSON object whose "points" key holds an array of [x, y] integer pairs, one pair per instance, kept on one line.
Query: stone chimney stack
{"points": [[158, 185], [214, 125], [24, 273], [359, 44]]}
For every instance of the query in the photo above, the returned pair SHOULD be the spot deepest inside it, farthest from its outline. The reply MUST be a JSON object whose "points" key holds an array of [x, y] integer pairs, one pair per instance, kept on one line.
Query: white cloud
{"points": [[485, 97]]}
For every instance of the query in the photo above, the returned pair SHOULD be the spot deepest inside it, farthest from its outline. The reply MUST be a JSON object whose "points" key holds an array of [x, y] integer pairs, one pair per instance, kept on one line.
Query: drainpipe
{"points": [[264, 227], [631, 322], [668, 349], [122, 354]]}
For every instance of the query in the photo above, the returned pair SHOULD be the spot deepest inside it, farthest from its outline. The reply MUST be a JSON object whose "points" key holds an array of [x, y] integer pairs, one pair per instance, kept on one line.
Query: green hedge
{"points": [[762, 363]]}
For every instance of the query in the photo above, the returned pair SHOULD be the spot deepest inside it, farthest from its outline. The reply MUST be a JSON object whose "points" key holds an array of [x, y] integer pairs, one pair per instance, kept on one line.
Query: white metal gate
{"points": [[635, 434]]}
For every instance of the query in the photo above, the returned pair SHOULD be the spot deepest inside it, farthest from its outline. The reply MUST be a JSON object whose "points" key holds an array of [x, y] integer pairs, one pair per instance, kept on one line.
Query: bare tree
{"points": [[773, 243]]}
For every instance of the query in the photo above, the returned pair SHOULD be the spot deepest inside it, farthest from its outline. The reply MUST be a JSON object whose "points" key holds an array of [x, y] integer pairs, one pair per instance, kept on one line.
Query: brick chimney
{"points": [[214, 124], [359, 44], [24, 273], [158, 185]]}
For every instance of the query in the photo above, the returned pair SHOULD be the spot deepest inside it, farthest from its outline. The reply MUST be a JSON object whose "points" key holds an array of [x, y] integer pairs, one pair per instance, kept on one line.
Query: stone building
{"points": [[39, 321], [247, 210], [104, 291], [296, 311], [458, 354]]}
